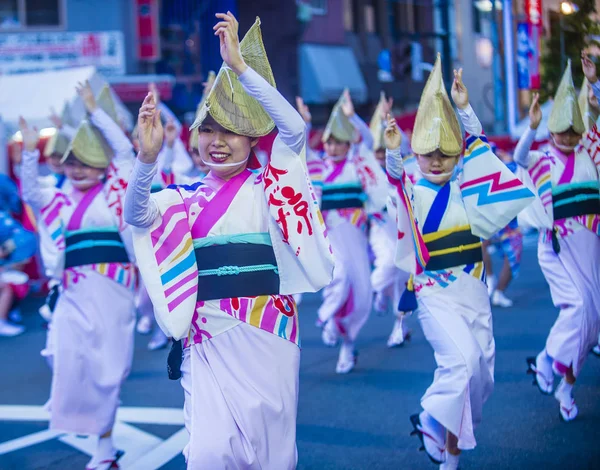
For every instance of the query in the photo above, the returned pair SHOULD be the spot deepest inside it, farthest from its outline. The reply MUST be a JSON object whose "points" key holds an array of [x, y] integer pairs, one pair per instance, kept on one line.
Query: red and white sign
{"points": [[148, 30], [39, 52], [533, 10]]}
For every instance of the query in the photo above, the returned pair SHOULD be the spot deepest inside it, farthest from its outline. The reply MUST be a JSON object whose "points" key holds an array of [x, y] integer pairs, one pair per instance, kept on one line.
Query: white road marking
{"points": [[142, 449], [29, 440]]}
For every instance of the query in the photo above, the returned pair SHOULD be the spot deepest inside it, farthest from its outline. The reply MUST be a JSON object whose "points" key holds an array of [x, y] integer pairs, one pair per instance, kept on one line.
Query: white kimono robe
{"points": [[453, 304], [574, 272], [240, 414], [91, 337], [347, 300]]}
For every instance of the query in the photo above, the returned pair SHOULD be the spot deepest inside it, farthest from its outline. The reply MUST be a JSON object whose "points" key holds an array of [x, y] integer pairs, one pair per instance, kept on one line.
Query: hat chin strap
{"points": [[224, 165], [562, 148], [86, 182], [438, 175]]}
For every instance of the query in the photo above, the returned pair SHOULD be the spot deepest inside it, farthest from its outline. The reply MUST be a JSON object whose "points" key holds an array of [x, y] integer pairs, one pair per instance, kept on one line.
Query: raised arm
{"points": [[460, 95], [114, 135], [392, 138], [522, 153], [34, 194], [140, 210], [292, 131]]}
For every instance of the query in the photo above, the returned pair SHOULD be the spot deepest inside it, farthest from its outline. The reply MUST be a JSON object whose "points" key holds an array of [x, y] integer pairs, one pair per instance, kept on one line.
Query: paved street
{"points": [[358, 421]]}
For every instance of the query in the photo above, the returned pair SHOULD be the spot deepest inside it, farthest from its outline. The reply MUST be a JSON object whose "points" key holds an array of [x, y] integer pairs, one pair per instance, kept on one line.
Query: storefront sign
{"points": [[37, 52]]}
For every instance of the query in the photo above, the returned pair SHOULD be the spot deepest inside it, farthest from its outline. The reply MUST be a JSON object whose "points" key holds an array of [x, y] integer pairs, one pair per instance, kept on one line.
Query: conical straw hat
{"points": [[229, 104], [106, 101], [436, 124], [377, 124], [210, 81], [339, 126], [565, 110], [58, 143], [89, 147]]}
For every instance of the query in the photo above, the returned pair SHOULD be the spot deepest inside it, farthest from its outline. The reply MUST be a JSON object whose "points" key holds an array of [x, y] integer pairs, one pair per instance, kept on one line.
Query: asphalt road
{"points": [[358, 421]]}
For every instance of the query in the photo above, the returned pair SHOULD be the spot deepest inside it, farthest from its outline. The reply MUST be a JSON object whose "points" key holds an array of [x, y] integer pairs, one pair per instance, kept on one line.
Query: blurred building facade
{"points": [[316, 47]]}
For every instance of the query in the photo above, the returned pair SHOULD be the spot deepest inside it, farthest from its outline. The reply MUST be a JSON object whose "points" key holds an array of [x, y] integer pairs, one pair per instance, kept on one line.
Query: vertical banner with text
{"points": [[148, 30], [533, 31]]}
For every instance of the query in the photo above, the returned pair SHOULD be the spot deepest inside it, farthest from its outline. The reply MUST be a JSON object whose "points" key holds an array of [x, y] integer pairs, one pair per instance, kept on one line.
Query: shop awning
{"points": [[326, 70]]}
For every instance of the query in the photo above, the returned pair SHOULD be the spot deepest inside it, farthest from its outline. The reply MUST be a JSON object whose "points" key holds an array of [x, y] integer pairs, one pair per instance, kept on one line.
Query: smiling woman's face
{"points": [[436, 167], [218, 146]]}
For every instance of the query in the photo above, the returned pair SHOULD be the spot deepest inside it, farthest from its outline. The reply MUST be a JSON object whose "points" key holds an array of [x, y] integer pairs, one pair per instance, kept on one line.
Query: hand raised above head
{"points": [[589, 68], [460, 95], [227, 30], [303, 110], [535, 112], [84, 90], [150, 130], [392, 136], [30, 135]]}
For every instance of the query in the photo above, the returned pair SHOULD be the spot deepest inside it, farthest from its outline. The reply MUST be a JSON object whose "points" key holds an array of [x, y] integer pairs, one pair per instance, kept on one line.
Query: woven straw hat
{"points": [[436, 124], [89, 147], [210, 81], [565, 111], [106, 101], [377, 124], [229, 104], [58, 143], [339, 126]]}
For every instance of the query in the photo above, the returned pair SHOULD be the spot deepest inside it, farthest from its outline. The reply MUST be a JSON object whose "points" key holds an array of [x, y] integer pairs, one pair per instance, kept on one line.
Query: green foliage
{"points": [[579, 30]]}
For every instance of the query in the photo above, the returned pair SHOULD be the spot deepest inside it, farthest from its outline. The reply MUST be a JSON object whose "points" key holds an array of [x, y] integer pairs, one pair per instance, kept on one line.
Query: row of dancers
{"points": [[219, 251]]}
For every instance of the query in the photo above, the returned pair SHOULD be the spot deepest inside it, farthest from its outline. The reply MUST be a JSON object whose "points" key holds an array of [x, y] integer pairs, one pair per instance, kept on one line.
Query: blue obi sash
{"points": [[242, 265], [342, 196], [94, 246], [576, 199]]}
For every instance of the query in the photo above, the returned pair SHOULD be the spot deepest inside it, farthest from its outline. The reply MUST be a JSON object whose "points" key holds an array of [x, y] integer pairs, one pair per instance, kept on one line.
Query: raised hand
{"points": [[460, 95], [150, 130], [55, 119], [84, 90], [154, 90], [347, 104], [589, 68], [592, 100], [30, 135], [227, 30], [387, 105], [303, 110], [535, 112], [170, 133], [392, 137]]}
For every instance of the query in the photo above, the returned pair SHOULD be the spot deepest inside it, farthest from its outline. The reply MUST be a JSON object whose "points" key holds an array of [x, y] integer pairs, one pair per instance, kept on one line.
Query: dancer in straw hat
{"points": [[441, 220], [567, 181], [222, 258], [91, 342], [353, 185]]}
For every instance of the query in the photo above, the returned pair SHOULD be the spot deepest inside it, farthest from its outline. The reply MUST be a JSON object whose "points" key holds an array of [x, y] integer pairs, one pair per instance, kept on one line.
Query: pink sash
{"points": [[337, 170], [218, 205], [82, 207]]}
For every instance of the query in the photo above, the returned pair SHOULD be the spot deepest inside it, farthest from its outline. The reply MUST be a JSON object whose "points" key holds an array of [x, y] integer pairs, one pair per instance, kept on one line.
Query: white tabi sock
{"points": [[451, 462], [104, 451], [564, 392]]}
